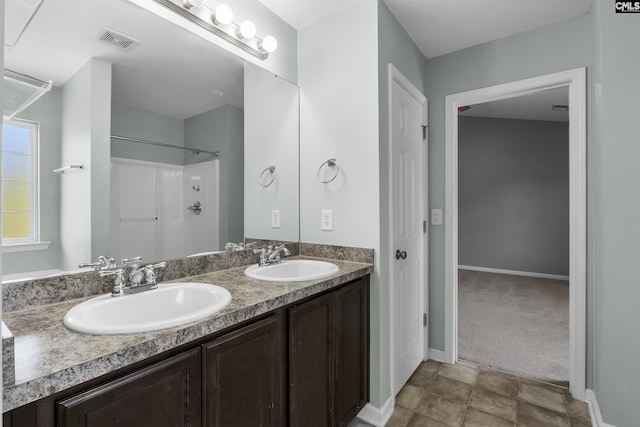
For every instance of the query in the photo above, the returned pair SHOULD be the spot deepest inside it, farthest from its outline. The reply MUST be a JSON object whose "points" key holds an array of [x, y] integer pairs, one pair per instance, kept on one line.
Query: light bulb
{"points": [[247, 30], [223, 14], [193, 3], [269, 44]]}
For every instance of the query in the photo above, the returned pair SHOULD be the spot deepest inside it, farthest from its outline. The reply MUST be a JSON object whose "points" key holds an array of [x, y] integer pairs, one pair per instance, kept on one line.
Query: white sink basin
{"points": [[172, 304], [295, 270]]}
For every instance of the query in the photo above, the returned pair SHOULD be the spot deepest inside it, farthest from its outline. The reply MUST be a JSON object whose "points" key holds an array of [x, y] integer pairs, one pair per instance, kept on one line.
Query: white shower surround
{"points": [[142, 191]]}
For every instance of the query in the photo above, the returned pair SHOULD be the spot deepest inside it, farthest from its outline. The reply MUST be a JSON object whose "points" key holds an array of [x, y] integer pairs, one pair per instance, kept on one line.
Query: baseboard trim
{"points": [[437, 355], [594, 410], [513, 272], [379, 417]]}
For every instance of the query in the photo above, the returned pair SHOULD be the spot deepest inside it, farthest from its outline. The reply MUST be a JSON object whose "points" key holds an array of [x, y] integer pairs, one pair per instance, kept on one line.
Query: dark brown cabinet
{"points": [[237, 377], [329, 357], [352, 351], [312, 362], [242, 376], [164, 394]]}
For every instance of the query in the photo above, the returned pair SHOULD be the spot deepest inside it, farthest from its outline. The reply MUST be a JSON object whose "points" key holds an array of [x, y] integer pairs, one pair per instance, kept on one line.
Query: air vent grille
{"points": [[118, 40]]}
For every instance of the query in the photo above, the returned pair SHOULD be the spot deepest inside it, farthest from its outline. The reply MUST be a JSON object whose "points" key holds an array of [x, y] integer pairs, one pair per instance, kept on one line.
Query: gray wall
{"points": [[614, 209], [222, 129], [513, 195], [47, 112], [133, 122], [394, 46], [545, 50]]}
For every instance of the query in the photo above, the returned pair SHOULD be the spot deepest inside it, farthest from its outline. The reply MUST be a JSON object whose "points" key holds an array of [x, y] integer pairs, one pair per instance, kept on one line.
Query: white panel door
{"points": [[408, 250]]}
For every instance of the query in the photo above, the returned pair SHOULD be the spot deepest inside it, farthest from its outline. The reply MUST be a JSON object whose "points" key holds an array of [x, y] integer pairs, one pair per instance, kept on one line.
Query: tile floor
{"points": [[470, 395]]}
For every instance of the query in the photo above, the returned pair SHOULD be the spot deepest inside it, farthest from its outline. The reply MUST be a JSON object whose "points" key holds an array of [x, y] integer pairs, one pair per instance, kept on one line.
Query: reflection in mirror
{"points": [[145, 106], [271, 172]]}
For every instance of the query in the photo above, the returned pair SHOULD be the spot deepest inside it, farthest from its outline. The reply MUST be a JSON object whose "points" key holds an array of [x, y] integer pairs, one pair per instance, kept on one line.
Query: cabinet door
{"points": [[352, 351], [164, 394], [311, 363], [242, 377]]}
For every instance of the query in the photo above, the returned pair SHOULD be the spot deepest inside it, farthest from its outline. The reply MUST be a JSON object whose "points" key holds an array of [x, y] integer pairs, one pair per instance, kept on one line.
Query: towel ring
{"points": [[272, 171], [331, 163]]}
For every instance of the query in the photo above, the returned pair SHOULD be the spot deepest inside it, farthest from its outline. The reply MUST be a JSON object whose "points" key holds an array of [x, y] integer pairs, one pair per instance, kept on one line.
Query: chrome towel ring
{"points": [[331, 163], [264, 180]]}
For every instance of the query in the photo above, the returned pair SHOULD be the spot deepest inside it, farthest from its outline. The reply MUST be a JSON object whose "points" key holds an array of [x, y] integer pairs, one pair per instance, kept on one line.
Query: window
{"points": [[20, 185]]}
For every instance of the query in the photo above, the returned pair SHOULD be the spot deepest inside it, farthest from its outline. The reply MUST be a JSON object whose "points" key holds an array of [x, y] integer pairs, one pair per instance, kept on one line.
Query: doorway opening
{"points": [[513, 235], [575, 82]]}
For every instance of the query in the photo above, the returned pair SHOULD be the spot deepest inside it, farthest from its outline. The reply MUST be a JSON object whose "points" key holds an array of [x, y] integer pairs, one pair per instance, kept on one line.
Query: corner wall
{"points": [[338, 78], [86, 118], [221, 129]]}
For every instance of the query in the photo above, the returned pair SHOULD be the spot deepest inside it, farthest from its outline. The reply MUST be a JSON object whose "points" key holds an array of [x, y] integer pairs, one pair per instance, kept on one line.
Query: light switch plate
{"points": [[275, 219], [436, 216], [327, 220]]}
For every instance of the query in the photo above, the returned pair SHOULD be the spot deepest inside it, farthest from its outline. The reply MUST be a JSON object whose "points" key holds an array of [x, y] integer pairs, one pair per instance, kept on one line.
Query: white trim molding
{"points": [[25, 247], [379, 417], [594, 410], [436, 355], [575, 80], [513, 272]]}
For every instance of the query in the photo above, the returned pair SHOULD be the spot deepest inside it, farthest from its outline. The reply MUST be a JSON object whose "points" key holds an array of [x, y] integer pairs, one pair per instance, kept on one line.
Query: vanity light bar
{"points": [[220, 22]]}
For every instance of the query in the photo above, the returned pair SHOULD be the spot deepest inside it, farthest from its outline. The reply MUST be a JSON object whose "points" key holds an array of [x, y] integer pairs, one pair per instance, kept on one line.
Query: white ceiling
{"points": [[439, 27], [62, 37], [442, 26], [172, 72], [301, 14]]}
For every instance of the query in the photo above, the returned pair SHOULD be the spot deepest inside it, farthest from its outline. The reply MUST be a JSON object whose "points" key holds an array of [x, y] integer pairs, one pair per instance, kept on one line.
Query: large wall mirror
{"points": [[183, 146]]}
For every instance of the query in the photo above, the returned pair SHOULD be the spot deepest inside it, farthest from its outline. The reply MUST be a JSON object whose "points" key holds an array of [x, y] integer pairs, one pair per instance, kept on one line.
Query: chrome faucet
{"points": [[150, 274], [119, 282], [139, 279], [238, 246], [102, 263], [271, 255]]}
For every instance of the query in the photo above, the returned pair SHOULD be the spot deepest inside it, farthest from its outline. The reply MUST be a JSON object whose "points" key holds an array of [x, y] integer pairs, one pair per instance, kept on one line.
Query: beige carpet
{"points": [[515, 324]]}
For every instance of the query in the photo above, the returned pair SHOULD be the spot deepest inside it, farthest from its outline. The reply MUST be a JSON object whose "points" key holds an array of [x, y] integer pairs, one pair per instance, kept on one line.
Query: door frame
{"points": [[576, 81], [394, 75]]}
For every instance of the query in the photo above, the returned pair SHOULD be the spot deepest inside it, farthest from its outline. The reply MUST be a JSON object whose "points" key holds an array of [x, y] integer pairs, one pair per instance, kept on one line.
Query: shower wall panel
{"points": [[149, 215]]}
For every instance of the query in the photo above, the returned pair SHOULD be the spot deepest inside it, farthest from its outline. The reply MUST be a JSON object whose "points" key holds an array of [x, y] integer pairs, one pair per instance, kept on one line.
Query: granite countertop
{"points": [[50, 358]]}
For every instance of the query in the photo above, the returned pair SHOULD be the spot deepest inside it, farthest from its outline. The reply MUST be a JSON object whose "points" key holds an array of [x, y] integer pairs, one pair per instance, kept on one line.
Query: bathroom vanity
{"points": [[280, 354]]}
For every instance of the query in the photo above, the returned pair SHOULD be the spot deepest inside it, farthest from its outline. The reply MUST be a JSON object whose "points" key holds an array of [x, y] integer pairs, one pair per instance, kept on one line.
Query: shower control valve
{"points": [[196, 208]]}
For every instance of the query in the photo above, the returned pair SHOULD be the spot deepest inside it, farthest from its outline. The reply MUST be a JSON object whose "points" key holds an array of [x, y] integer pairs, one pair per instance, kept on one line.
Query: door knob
{"points": [[401, 254]]}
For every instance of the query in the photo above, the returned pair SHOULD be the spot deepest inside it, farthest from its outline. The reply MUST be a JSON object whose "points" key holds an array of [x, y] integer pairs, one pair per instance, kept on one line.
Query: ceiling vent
{"points": [[118, 40]]}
